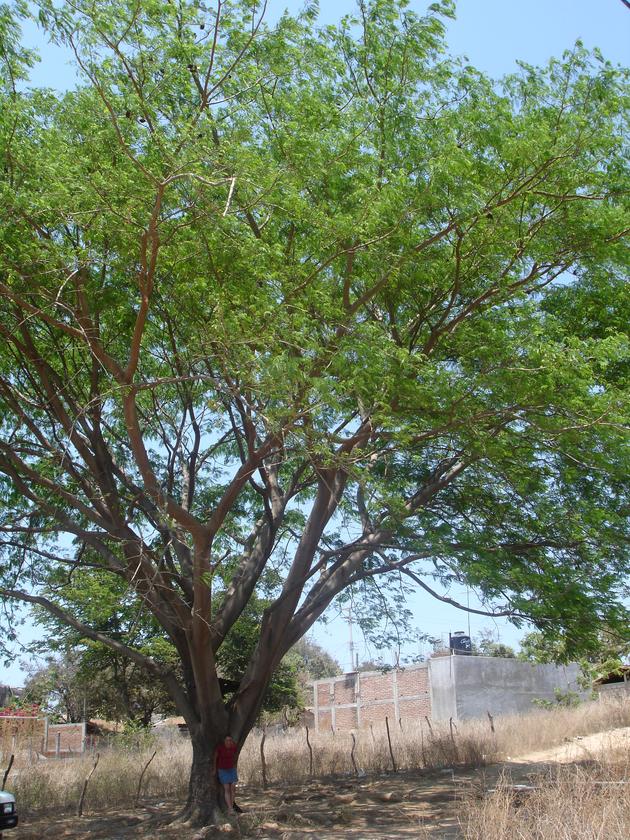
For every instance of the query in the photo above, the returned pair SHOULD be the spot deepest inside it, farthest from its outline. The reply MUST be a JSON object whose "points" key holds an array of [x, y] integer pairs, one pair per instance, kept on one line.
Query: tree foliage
{"points": [[73, 688], [604, 659], [291, 311], [485, 644], [313, 661]]}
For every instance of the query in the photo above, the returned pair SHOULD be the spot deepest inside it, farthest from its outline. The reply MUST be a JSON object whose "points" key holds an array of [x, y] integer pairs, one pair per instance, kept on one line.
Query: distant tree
{"points": [[93, 683], [313, 660], [484, 644], [612, 651], [541, 648], [56, 688], [373, 665]]}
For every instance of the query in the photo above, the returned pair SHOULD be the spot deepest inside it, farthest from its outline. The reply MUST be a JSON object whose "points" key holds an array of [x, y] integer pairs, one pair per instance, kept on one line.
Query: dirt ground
{"points": [[400, 806]]}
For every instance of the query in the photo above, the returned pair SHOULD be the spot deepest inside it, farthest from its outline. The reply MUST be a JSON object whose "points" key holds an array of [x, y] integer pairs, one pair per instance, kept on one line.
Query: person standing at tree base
{"points": [[225, 759]]}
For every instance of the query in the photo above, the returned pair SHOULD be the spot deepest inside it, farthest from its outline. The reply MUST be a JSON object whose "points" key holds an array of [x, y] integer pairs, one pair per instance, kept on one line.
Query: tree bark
{"points": [[203, 803]]}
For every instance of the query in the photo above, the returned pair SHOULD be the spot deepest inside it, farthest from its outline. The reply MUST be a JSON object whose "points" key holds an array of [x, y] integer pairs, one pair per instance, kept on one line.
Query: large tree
{"points": [[289, 312]]}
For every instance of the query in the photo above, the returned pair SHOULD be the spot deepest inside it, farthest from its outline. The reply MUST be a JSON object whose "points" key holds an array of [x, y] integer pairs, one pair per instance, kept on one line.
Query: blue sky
{"points": [[493, 34]]}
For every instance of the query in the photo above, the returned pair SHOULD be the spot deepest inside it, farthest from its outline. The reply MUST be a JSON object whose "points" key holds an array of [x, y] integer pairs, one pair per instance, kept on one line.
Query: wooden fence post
{"points": [[310, 754], [85, 785], [453, 728], [354, 764], [263, 763], [7, 771], [144, 770], [422, 752], [491, 719], [389, 741]]}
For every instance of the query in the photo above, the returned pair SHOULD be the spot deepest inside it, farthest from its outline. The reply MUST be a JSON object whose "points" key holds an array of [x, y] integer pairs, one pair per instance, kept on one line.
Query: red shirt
{"points": [[226, 756]]}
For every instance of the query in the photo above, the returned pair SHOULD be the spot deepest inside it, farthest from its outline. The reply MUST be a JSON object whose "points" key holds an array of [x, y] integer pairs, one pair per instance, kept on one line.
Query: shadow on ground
{"points": [[393, 806]]}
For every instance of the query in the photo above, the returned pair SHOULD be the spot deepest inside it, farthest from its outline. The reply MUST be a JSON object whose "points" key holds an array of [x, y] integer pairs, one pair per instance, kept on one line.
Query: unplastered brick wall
{"points": [[65, 739], [360, 699]]}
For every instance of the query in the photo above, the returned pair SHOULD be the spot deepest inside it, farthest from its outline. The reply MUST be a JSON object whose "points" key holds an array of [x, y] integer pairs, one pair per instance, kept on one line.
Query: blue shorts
{"points": [[228, 777]]}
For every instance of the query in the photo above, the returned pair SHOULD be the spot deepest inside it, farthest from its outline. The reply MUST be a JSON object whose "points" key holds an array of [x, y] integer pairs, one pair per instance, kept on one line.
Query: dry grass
{"points": [[521, 734], [575, 803], [414, 745], [57, 784]]}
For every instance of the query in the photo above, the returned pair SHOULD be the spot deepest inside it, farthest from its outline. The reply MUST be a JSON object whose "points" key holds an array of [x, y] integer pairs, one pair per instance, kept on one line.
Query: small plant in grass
{"points": [[134, 736], [565, 699]]}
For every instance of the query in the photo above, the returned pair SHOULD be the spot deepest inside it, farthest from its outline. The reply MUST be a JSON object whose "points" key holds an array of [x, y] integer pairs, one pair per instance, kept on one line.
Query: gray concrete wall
{"points": [[442, 687], [471, 686]]}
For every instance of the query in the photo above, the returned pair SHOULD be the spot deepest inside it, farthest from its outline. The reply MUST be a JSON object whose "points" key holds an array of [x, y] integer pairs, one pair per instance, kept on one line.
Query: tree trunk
{"points": [[203, 804]]}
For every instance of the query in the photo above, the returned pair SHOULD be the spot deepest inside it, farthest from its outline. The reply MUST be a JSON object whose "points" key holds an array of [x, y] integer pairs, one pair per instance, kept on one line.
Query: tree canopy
{"points": [[486, 644], [291, 311], [313, 661], [603, 660]]}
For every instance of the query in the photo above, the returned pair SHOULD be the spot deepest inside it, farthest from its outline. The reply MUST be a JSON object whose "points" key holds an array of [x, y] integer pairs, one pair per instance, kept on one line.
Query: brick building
{"points": [[357, 699]]}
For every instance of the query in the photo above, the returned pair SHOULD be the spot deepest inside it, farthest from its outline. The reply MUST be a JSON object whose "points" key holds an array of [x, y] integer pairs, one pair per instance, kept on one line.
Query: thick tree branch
{"points": [[159, 671]]}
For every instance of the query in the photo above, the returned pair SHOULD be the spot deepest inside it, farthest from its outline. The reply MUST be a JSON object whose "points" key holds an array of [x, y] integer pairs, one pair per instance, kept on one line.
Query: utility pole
{"points": [[468, 605], [353, 666]]}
